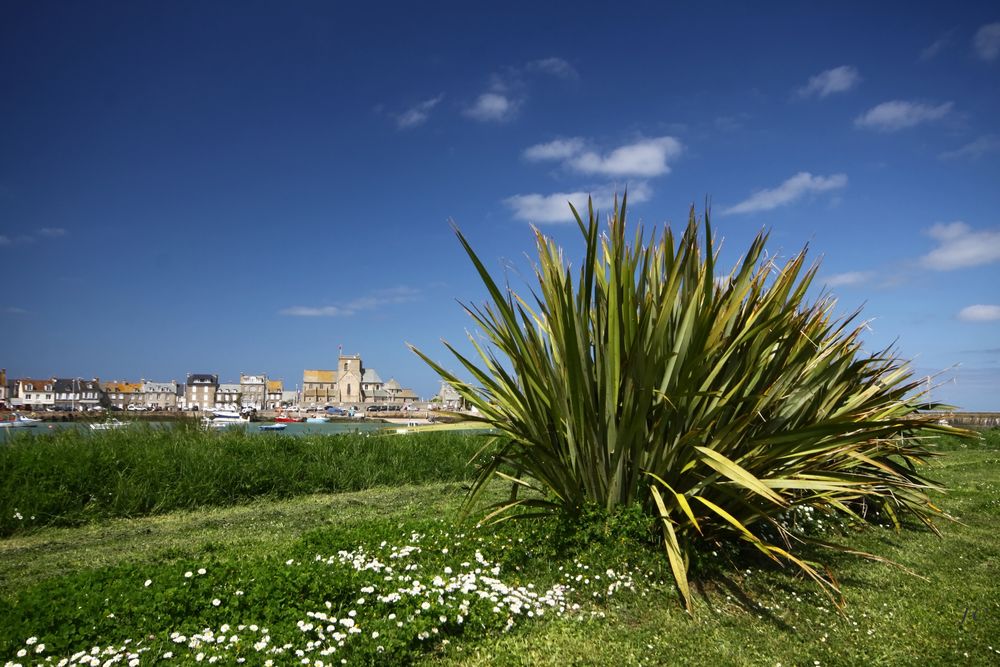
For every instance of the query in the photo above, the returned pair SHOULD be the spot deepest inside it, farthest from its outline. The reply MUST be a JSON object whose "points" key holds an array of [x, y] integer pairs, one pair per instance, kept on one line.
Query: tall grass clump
{"points": [[72, 477], [717, 401]]}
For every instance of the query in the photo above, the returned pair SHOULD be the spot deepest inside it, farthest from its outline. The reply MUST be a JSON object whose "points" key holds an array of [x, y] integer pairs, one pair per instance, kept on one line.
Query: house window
{"points": [[348, 390]]}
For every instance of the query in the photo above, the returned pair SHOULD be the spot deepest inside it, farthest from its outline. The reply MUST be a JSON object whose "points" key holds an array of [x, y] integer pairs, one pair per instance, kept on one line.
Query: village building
{"points": [[34, 394], [274, 394], [228, 396], [120, 394], [200, 391], [158, 395], [76, 394], [449, 399], [350, 384], [4, 396], [254, 390], [319, 387]]}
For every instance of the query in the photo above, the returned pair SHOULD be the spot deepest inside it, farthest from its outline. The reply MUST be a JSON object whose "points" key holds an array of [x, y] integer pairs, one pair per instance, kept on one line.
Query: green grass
{"points": [[72, 477], [74, 588]]}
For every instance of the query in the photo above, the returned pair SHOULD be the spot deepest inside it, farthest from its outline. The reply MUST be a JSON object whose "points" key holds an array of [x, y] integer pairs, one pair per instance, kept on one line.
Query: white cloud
{"points": [[52, 232], [974, 149], [849, 278], [836, 80], [647, 157], [961, 247], [4, 240], [559, 149], [937, 47], [980, 313], [418, 114], [987, 41], [492, 107], [554, 208], [899, 114], [794, 188], [554, 66], [380, 298]]}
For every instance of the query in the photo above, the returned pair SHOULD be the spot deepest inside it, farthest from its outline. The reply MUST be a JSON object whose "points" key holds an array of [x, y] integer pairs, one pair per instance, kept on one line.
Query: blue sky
{"points": [[221, 187]]}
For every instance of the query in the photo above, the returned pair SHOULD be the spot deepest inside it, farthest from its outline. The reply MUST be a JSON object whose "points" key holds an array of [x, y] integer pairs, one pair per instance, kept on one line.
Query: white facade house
{"points": [[35, 394]]}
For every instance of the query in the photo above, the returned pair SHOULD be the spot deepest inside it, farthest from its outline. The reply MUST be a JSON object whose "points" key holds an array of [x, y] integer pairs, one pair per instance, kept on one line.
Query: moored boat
{"points": [[109, 425], [283, 419], [271, 427], [17, 420], [317, 420]]}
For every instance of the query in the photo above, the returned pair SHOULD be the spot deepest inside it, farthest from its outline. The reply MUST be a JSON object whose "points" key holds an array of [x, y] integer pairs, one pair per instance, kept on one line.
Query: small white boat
{"points": [[272, 427], [109, 425], [317, 420], [17, 420]]}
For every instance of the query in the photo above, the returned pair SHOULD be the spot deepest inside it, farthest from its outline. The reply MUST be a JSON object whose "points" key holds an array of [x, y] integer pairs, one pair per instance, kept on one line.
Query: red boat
{"points": [[282, 419]]}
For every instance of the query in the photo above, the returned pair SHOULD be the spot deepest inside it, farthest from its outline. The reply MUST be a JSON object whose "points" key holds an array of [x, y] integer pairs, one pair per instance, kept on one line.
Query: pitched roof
{"points": [[319, 376], [121, 387], [68, 385], [36, 381], [202, 378], [392, 385], [274, 385], [371, 375]]}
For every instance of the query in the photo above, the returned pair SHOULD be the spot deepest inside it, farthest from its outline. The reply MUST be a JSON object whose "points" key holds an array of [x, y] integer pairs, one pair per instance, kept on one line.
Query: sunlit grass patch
{"points": [[385, 600], [72, 478]]}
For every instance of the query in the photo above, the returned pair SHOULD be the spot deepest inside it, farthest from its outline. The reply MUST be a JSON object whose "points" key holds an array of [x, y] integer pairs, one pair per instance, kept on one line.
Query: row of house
{"points": [[199, 391], [350, 383]]}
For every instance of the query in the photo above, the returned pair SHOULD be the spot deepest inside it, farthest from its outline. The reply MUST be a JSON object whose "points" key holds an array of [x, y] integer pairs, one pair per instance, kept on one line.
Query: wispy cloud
{"points": [[559, 149], [418, 114], [849, 279], [14, 310], [959, 246], [508, 90], [937, 47], [793, 189], [980, 313], [554, 208], [44, 232], [836, 80], [645, 158], [554, 66], [493, 107], [987, 42], [373, 301], [900, 114], [977, 148]]}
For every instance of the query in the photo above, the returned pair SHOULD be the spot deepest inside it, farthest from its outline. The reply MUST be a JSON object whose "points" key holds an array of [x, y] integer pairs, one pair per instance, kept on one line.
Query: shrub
{"points": [[716, 402]]}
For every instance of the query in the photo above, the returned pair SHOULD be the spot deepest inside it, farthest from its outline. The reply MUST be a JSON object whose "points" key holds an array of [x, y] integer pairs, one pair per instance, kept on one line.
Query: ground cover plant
{"points": [[72, 477], [252, 583], [723, 403]]}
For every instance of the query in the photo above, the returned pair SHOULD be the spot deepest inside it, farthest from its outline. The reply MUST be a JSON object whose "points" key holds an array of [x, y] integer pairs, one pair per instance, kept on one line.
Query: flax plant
{"points": [[718, 402]]}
